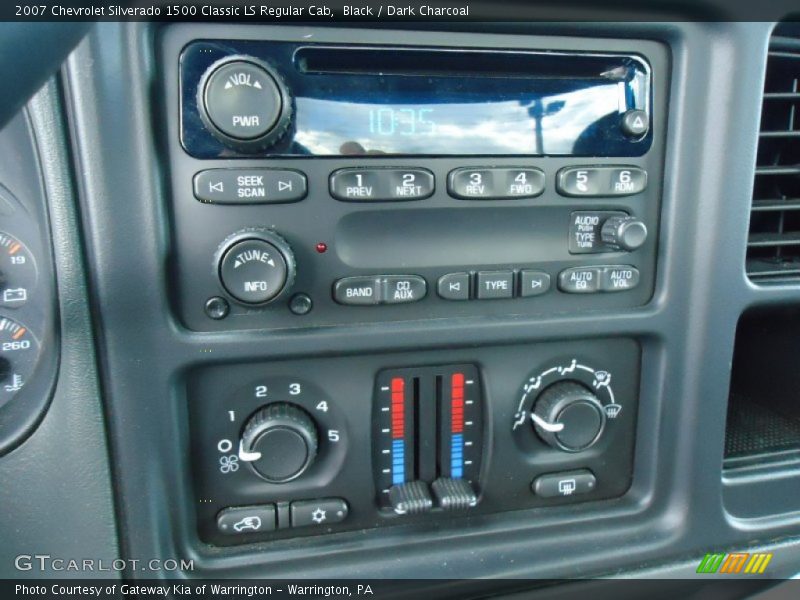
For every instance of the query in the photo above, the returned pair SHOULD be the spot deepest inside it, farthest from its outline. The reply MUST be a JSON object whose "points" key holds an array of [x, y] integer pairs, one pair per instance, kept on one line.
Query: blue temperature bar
{"points": [[457, 456], [398, 462]]}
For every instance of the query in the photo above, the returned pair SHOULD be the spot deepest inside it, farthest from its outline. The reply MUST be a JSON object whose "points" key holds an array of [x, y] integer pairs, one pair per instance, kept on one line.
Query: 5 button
{"points": [[601, 181]]}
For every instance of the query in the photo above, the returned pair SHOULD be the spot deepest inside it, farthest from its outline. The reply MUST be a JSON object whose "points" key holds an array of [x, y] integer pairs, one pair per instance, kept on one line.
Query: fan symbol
{"points": [[228, 464], [318, 516]]}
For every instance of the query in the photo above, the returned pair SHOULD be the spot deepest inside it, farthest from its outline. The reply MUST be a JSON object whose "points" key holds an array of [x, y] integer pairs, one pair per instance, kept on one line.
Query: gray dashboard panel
{"points": [[56, 493], [674, 508]]}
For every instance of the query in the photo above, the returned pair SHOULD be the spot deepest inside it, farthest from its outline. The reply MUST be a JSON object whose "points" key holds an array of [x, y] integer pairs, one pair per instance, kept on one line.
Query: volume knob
{"points": [[244, 103], [280, 442]]}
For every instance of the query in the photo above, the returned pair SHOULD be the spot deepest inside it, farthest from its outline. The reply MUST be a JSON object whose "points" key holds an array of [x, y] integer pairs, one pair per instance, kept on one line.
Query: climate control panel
{"points": [[428, 436], [319, 445]]}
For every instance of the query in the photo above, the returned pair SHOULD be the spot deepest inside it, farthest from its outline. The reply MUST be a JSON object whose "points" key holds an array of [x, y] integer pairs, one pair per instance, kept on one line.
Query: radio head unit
{"points": [[327, 100]]}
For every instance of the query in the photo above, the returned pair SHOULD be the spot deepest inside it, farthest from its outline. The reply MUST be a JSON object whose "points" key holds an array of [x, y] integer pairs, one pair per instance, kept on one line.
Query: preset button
{"points": [[375, 185], [504, 183]]}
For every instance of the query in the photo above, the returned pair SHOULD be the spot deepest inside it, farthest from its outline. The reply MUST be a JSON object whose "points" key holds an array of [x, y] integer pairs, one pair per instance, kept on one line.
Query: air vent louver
{"points": [[773, 249]]}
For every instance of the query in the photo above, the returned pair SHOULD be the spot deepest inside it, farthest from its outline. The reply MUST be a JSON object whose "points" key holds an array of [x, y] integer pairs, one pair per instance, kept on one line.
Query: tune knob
{"points": [[568, 416], [255, 267], [280, 442], [244, 103], [624, 233]]}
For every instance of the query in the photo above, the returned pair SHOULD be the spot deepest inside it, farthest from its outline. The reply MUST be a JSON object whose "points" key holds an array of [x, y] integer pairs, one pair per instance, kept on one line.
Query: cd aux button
{"points": [[402, 289]]}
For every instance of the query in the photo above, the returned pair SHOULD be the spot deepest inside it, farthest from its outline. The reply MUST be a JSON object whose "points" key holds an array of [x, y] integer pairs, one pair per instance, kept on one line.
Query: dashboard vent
{"points": [[773, 248]]}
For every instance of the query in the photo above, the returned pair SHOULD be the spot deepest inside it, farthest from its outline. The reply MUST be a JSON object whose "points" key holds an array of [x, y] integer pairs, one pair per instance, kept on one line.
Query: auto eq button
{"points": [[249, 186], [580, 280], [241, 520]]}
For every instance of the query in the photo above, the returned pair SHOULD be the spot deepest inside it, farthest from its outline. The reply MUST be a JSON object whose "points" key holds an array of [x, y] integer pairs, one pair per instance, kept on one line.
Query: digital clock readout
{"points": [[390, 121]]}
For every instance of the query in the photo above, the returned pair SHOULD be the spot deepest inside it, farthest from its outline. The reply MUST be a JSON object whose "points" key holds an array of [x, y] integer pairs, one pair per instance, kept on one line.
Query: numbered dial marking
{"points": [[277, 430], [17, 272], [19, 352]]}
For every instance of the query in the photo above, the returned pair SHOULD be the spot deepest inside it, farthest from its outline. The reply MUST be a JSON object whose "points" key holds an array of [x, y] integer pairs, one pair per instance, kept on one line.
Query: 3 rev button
{"points": [[380, 289]]}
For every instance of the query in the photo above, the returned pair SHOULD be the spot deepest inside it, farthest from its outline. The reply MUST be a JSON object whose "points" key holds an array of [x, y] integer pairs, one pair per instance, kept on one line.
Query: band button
{"points": [[360, 291]]}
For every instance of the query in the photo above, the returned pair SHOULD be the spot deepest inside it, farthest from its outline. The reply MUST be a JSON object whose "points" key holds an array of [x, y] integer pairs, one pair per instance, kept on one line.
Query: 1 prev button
{"points": [[377, 185]]}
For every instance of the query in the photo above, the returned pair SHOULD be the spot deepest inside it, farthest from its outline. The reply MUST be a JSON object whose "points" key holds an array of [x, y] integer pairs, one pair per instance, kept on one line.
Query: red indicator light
{"points": [[322, 247]]}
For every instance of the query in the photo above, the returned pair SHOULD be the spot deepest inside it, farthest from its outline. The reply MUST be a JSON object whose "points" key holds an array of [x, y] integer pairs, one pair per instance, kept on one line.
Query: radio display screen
{"points": [[517, 117], [366, 101]]}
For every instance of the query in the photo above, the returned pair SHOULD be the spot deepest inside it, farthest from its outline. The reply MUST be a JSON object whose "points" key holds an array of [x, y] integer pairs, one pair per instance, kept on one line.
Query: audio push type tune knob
{"points": [[624, 233], [244, 103], [280, 442], [568, 416], [255, 267]]}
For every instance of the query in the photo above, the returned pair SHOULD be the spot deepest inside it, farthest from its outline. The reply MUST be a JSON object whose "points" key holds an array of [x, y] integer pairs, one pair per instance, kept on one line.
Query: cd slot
{"points": [[458, 63]]}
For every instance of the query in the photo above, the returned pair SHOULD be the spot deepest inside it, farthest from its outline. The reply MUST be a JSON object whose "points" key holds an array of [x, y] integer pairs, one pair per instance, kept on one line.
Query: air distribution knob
{"points": [[624, 233], [568, 416], [244, 103], [279, 441]]}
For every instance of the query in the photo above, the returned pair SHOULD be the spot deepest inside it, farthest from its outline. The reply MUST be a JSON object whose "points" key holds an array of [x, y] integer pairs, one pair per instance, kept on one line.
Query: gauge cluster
{"points": [[27, 294]]}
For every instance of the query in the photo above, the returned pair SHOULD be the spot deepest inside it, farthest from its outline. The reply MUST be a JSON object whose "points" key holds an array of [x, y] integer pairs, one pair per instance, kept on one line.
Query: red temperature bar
{"points": [[398, 407], [457, 403]]}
